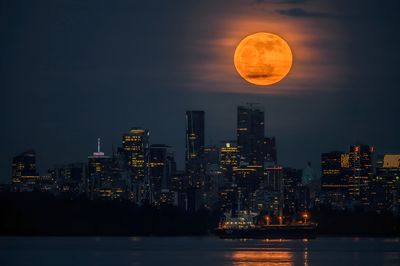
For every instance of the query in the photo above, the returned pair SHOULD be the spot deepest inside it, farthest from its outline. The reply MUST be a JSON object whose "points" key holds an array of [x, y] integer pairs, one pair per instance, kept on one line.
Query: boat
{"points": [[243, 226]]}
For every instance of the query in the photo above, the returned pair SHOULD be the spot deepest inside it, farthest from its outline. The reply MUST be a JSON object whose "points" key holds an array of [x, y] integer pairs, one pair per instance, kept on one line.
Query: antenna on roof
{"points": [[98, 144]]}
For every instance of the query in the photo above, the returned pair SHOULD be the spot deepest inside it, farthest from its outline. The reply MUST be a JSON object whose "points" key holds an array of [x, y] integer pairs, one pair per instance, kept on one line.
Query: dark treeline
{"points": [[357, 222], [42, 214]]}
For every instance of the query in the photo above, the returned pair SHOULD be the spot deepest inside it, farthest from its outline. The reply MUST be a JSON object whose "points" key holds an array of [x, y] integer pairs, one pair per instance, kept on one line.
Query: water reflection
{"points": [[272, 252], [268, 257]]}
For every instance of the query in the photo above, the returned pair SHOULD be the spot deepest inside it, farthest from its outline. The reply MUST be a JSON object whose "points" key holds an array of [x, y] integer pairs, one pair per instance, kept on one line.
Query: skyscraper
{"points": [[346, 177], [295, 197], [194, 139], [250, 133], [136, 146], [385, 189], [334, 183], [162, 167], [360, 162]]}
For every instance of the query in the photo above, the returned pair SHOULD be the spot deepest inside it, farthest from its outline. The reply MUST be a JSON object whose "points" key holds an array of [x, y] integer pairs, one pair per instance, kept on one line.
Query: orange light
{"points": [[263, 58]]}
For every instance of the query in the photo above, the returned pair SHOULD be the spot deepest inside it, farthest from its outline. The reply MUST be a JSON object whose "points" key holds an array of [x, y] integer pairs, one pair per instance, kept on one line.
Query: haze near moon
{"points": [[263, 58]]}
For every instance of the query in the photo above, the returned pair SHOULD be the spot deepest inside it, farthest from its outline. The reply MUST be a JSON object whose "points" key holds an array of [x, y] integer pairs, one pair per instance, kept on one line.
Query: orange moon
{"points": [[263, 58]]}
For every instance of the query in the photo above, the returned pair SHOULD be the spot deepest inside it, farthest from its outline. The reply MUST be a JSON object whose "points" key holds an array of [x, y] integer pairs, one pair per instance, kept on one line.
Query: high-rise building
{"points": [[360, 162], [194, 140], [98, 168], [346, 177], [250, 134], [162, 168], [334, 185], [136, 146], [385, 187], [24, 176], [228, 158], [295, 200], [273, 184], [106, 177]]}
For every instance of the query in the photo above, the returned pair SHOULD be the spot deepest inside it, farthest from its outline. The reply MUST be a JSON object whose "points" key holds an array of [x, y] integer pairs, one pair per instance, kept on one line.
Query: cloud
{"points": [[302, 13]]}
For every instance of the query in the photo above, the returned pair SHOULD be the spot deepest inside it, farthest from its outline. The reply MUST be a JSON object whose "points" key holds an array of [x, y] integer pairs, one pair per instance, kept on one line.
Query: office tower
{"points": [[250, 134], [385, 187], [136, 146], [361, 173], [228, 158], [107, 177], [334, 186], [294, 197], [24, 176], [162, 168], [194, 140], [273, 185], [213, 177]]}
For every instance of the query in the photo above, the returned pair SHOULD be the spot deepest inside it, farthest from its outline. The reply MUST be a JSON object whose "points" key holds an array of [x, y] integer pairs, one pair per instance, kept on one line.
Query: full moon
{"points": [[263, 58]]}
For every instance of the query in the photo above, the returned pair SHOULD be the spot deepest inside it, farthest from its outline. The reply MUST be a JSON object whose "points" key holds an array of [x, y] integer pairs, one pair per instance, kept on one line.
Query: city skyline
{"points": [[43, 167], [242, 174]]}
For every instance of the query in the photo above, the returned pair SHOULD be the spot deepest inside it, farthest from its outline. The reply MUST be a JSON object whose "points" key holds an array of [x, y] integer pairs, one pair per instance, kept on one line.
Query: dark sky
{"points": [[72, 71]]}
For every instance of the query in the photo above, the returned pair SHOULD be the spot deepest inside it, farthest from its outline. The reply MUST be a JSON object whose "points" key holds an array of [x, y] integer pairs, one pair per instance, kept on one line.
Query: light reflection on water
{"points": [[264, 258], [330, 251]]}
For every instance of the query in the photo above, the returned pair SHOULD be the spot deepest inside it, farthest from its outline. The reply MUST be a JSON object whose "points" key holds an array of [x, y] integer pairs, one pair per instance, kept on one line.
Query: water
{"points": [[206, 251]]}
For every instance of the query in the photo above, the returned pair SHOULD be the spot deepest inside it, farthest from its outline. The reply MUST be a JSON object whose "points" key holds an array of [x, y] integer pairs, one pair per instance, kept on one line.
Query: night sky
{"points": [[72, 71]]}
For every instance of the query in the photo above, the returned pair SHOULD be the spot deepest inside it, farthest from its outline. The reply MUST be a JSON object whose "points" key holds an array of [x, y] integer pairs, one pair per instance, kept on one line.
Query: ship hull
{"points": [[269, 232]]}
